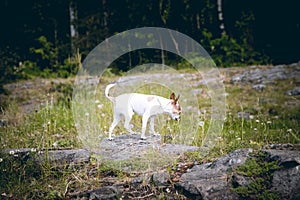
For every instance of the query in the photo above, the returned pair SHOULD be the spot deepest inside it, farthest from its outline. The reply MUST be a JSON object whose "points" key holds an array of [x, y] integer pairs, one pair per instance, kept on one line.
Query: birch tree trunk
{"points": [[73, 25]]}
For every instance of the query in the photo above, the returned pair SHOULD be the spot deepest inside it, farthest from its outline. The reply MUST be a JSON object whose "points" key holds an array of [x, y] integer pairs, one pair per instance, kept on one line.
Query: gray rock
{"points": [[284, 158], [294, 92], [107, 192], [160, 179], [103, 193], [259, 87], [239, 180], [142, 179], [58, 158], [210, 180], [287, 182], [65, 157], [258, 75], [237, 79], [215, 180], [3, 123], [131, 154], [243, 115]]}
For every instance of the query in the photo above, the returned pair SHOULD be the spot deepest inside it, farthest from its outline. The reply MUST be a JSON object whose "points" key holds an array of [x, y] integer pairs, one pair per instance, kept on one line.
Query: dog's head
{"points": [[176, 109]]}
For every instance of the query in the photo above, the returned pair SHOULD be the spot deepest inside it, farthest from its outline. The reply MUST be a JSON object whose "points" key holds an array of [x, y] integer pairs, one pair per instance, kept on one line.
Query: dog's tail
{"points": [[107, 91]]}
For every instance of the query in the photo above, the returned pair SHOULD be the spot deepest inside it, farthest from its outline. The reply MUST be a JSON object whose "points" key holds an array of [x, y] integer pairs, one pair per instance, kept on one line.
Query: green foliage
{"points": [[52, 53], [226, 51], [260, 172], [48, 54]]}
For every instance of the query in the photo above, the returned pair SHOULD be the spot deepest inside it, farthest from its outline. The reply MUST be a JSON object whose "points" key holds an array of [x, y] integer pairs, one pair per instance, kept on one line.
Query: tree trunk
{"points": [[220, 16], [73, 25]]}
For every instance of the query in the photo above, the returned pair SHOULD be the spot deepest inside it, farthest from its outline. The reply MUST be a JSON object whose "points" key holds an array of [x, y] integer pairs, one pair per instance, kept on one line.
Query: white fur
{"points": [[147, 106]]}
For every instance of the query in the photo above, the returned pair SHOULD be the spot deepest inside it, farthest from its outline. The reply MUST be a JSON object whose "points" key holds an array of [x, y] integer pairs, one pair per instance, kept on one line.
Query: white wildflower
{"points": [[289, 130], [257, 121], [97, 101], [251, 116], [201, 123], [11, 152], [100, 106], [1, 159], [55, 144], [87, 114], [102, 115]]}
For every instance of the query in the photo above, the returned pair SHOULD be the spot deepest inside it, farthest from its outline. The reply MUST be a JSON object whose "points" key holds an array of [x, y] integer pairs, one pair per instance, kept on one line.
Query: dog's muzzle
{"points": [[176, 118]]}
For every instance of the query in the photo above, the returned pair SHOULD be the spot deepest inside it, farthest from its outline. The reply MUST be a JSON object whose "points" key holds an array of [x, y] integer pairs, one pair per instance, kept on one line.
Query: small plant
{"points": [[260, 172]]}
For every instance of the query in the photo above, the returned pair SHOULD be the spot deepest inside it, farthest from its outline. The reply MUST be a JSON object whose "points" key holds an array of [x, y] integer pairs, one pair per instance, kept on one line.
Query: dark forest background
{"points": [[48, 38]]}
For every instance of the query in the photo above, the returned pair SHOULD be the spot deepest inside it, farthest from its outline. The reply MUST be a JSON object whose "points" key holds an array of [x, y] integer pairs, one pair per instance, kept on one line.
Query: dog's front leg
{"points": [[144, 125]]}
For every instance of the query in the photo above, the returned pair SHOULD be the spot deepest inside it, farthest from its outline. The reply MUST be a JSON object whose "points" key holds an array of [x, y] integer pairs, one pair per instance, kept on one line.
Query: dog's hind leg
{"points": [[115, 122], [152, 131], [127, 124]]}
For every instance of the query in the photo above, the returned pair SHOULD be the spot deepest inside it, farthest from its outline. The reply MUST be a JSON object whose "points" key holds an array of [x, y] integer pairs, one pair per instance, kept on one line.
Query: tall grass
{"points": [[52, 126]]}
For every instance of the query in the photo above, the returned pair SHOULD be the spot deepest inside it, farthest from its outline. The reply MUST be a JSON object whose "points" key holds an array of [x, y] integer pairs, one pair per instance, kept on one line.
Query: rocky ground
{"points": [[185, 180]]}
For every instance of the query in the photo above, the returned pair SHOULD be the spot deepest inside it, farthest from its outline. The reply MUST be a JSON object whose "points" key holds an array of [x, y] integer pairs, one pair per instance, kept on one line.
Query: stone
{"points": [[131, 154], [210, 180], [284, 158], [160, 179], [214, 180], [294, 92], [243, 115], [142, 179], [257, 75], [259, 87], [3, 123], [287, 182], [102, 193], [57, 158], [239, 180], [105, 193]]}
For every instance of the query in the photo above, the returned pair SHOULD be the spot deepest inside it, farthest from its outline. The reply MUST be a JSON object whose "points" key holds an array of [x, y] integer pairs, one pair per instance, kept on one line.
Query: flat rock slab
{"points": [[55, 157], [136, 154]]}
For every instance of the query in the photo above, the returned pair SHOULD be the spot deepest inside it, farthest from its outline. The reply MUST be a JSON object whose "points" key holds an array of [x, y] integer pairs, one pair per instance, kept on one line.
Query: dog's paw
{"points": [[155, 133], [133, 132], [110, 138], [143, 137]]}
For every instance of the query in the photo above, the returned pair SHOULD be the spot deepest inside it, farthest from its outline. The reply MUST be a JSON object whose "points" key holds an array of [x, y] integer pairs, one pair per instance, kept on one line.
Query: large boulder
{"points": [[217, 179], [212, 180], [286, 181]]}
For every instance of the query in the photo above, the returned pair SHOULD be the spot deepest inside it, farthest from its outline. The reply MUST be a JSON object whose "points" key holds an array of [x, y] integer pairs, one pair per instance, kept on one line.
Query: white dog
{"points": [[147, 106]]}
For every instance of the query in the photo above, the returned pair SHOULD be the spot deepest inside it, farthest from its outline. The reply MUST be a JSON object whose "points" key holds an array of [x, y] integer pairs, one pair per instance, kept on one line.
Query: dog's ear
{"points": [[172, 97], [177, 97]]}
